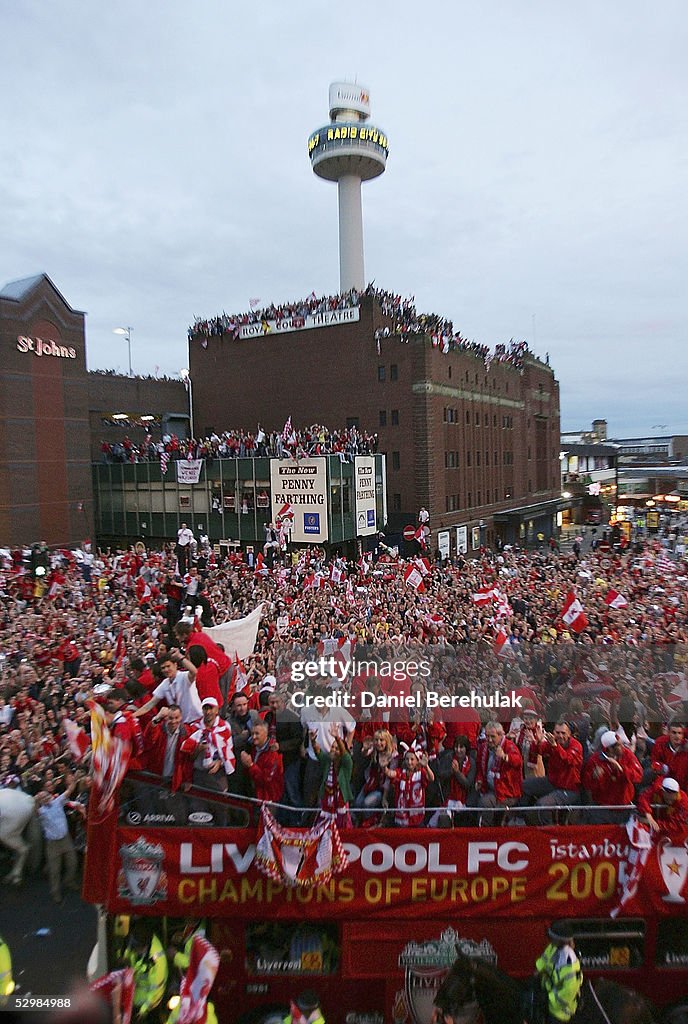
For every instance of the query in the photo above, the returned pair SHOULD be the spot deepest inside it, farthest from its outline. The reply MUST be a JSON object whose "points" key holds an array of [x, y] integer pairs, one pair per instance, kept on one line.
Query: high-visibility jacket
{"points": [[211, 1016], [150, 976], [182, 958], [6, 981], [318, 1020], [561, 978]]}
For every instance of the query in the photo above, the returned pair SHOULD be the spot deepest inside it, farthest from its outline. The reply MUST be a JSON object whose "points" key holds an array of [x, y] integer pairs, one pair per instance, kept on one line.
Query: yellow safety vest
{"points": [[6, 982], [318, 1020], [562, 984], [150, 976], [211, 1016]]}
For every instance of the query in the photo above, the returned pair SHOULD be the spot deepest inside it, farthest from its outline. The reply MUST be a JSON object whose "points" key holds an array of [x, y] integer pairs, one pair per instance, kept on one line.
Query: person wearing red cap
{"points": [[665, 807], [610, 776]]}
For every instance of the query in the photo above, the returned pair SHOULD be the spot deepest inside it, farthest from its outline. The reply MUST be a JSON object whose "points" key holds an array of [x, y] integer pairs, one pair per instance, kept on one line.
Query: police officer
{"points": [[559, 971], [150, 973], [6, 981], [305, 1009]]}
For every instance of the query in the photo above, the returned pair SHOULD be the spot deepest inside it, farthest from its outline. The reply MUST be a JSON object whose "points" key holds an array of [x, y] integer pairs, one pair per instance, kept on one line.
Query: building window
{"points": [[468, 418], [395, 417], [487, 420], [383, 417], [468, 458], [353, 421], [478, 498], [449, 373], [380, 373], [394, 372], [528, 453], [477, 419], [494, 420], [470, 499], [396, 460], [530, 487], [477, 458], [396, 502]]}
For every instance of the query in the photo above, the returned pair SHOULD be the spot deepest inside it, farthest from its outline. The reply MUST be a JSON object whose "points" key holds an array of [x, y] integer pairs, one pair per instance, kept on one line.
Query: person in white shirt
{"points": [[318, 722], [185, 539], [178, 687]]}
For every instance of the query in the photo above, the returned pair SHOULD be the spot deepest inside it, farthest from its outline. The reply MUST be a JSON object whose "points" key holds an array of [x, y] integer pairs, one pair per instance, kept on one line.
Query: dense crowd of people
{"points": [[602, 721], [407, 321], [239, 444], [231, 324]]}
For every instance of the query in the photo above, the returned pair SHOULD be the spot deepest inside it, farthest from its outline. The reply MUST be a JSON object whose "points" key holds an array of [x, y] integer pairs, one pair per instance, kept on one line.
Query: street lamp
{"points": [[186, 377], [125, 332]]}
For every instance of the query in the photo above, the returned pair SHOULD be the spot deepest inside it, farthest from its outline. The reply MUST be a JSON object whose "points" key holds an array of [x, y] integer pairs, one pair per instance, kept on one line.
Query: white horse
{"points": [[16, 811]]}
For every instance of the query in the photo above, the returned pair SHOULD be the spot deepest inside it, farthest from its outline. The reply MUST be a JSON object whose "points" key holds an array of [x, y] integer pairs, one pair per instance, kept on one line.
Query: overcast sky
{"points": [[154, 164]]}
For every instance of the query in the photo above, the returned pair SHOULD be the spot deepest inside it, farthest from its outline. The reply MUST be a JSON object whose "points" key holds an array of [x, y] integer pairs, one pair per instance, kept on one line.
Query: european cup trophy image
{"points": [[673, 861]]}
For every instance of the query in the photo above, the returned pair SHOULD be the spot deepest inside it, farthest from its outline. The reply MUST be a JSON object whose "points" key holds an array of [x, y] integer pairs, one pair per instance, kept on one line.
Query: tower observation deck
{"points": [[349, 150]]}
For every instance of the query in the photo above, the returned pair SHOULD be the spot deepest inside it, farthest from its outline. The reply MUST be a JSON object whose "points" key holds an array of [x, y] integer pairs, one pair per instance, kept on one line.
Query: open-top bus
{"points": [[376, 939]]}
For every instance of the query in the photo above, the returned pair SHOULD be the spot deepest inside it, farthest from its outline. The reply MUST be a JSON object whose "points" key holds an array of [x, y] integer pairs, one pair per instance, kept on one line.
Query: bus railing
{"points": [[146, 799]]}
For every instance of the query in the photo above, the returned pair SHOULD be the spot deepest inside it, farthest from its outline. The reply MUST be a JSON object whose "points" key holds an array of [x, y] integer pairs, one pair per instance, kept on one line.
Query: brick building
{"points": [[477, 444], [54, 414], [45, 473]]}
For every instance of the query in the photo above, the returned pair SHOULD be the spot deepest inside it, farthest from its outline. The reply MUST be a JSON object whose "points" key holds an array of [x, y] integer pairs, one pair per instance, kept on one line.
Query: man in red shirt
{"points": [[665, 808], [610, 776], [563, 756], [499, 779], [669, 754], [207, 674], [163, 738], [191, 635], [265, 766]]}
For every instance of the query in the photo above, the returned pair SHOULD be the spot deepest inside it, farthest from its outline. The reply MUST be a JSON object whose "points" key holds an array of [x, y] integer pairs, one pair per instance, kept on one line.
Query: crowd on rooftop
{"points": [[407, 321], [239, 444]]}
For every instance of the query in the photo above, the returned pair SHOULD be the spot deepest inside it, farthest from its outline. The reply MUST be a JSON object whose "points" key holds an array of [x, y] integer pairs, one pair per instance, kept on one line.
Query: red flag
{"points": [[286, 512], [240, 677], [111, 755], [197, 982], [414, 578], [501, 647], [299, 857], [485, 595], [419, 535], [77, 739], [572, 613], [615, 600], [117, 987]]}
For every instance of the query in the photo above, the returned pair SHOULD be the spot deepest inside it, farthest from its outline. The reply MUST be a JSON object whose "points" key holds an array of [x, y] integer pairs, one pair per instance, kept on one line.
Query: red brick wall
{"points": [[329, 374], [44, 456]]}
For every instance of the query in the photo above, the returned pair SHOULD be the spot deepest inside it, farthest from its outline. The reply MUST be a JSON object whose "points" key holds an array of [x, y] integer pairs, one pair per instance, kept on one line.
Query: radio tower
{"points": [[349, 151]]}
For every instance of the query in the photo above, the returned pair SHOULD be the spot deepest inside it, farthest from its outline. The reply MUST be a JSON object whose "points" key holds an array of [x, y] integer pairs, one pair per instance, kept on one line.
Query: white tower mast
{"points": [[349, 151]]}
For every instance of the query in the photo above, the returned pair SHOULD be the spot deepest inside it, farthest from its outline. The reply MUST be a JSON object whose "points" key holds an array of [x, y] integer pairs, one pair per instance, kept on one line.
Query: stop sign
{"points": [[409, 532]]}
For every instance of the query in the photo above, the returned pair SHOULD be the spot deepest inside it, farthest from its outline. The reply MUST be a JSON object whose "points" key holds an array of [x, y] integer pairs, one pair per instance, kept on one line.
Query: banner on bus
{"points": [[405, 873]]}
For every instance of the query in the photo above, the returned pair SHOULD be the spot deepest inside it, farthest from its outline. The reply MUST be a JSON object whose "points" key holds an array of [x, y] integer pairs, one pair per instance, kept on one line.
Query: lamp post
{"points": [[186, 377], [125, 332]]}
